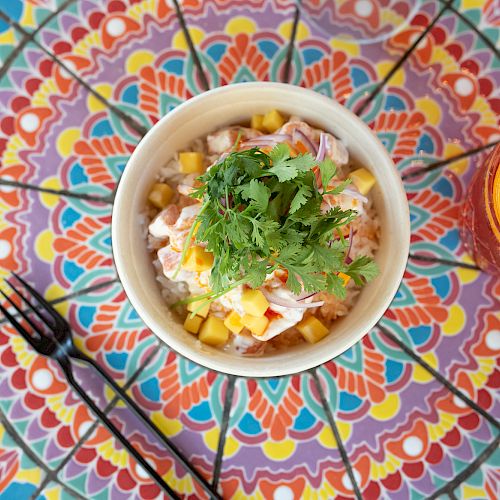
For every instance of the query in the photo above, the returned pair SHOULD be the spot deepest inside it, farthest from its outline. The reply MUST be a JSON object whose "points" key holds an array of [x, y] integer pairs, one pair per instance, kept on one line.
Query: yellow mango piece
{"points": [[205, 307], [256, 324], [192, 325], [312, 329], [160, 195], [191, 162], [344, 277], [363, 180], [213, 332], [257, 122], [198, 260], [272, 121], [233, 322], [254, 302]]}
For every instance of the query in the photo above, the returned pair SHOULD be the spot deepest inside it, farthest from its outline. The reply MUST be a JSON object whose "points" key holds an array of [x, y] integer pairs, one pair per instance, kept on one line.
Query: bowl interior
{"points": [[235, 104]]}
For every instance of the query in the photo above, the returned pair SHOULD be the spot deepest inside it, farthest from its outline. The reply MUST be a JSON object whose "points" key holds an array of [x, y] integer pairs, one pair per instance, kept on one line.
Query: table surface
{"points": [[408, 412]]}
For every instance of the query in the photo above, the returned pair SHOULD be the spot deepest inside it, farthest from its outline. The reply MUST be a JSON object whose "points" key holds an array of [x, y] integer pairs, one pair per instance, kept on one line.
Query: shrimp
{"points": [[223, 140]]}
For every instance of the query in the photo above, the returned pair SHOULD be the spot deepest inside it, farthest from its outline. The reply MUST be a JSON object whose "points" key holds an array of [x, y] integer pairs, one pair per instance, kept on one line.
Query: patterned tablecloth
{"points": [[80, 82]]}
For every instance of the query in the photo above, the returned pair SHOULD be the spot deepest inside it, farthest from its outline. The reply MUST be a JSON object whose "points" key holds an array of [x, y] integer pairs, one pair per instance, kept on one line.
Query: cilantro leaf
{"points": [[279, 153], [338, 189], [300, 198], [327, 170], [287, 168], [362, 267], [263, 211], [259, 193]]}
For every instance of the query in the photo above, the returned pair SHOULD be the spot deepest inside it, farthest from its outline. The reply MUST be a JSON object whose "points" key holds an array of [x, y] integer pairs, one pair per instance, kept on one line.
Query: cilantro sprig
{"points": [[261, 212]]}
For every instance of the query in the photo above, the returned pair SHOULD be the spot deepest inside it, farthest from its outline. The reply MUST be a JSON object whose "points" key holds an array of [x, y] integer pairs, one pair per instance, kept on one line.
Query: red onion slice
{"points": [[257, 144], [354, 193], [298, 135], [351, 237], [272, 137], [322, 147], [293, 304]]}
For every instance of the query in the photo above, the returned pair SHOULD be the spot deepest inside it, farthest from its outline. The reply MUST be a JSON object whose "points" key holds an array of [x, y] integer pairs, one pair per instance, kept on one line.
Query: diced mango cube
{"points": [[256, 324], [198, 259], [272, 121], [192, 325], [204, 304], [191, 162], [254, 302], [213, 332], [233, 322], [363, 180], [345, 277], [312, 329], [257, 122], [160, 195]]}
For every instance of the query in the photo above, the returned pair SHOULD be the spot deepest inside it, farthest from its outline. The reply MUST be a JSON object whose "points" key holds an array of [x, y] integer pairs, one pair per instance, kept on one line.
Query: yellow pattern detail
{"points": [[137, 60], [93, 103], [183, 485], [387, 408], [231, 446], [325, 492], [382, 470], [390, 16], [110, 453], [179, 40], [58, 406], [24, 356], [53, 493], [8, 38], [467, 275], [445, 60], [352, 48], [285, 30], [279, 450], [138, 10], [10, 156], [445, 423], [169, 426], [488, 116], [211, 439], [66, 140], [458, 166], [240, 25], [54, 292], [472, 4], [28, 19], [82, 48], [41, 96], [420, 374], [327, 439], [32, 476], [471, 492], [50, 200], [397, 79], [430, 109], [455, 322]]}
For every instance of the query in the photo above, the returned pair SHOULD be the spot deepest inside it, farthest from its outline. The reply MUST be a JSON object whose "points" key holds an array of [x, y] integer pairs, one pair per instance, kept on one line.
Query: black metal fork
{"points": [[59, 346]]}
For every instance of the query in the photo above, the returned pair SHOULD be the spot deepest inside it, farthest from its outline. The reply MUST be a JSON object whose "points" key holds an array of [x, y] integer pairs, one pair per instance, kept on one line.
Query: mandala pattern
{"points": [[19, 475], [405, 435]]}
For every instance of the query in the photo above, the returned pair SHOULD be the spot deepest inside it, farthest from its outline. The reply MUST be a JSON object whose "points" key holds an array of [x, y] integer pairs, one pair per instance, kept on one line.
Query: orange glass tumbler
{"points": [[480, 215]]}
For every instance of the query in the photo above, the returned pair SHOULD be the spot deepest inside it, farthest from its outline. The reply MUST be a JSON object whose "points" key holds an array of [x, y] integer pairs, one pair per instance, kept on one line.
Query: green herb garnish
{"points": [[261, 212]]}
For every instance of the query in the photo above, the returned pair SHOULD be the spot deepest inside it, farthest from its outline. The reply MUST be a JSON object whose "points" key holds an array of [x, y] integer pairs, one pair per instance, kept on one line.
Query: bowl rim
{"points": [[182, 348]]}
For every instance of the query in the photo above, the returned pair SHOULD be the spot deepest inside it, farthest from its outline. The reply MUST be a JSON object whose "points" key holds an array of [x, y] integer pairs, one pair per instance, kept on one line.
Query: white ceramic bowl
{"points": [[235, 104]]}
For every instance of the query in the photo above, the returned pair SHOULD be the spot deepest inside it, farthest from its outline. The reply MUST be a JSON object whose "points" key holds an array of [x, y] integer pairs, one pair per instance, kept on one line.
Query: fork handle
{"points": [[66, 367], [76, 353]]}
